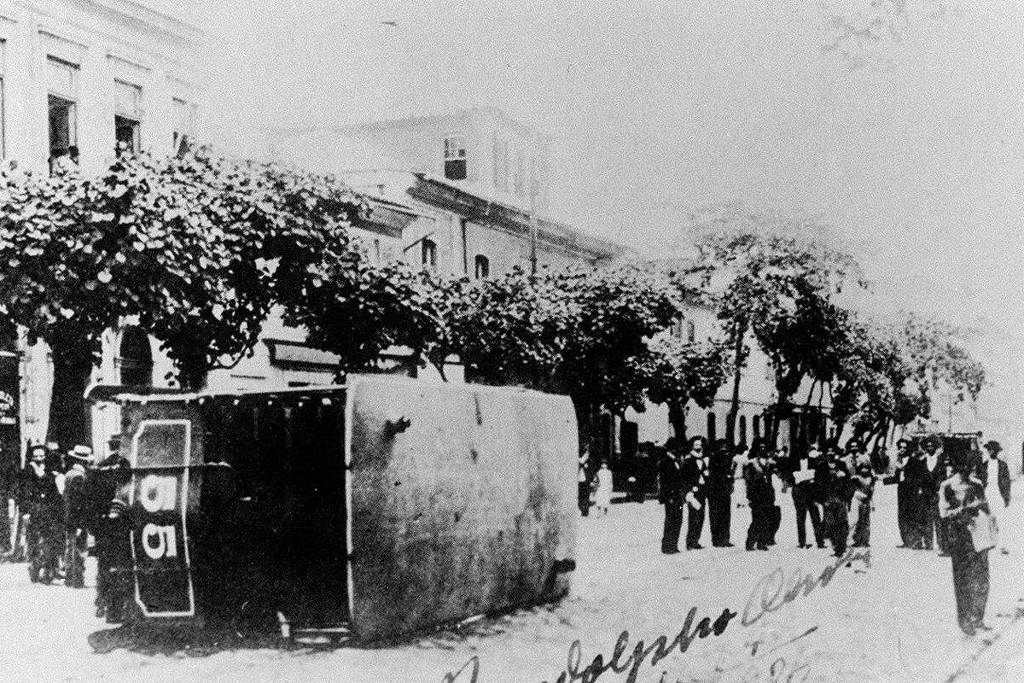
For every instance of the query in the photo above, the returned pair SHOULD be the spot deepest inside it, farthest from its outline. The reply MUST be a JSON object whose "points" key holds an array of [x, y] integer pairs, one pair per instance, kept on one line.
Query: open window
{"points": [[428, 254], [481, 267], [62, 105], [455, 157], [127, 117]]}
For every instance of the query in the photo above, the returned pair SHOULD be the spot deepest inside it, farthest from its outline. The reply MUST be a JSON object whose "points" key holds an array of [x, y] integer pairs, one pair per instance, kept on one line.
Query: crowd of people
{"points": [[945, 501], [827, 488], [54, 503]]}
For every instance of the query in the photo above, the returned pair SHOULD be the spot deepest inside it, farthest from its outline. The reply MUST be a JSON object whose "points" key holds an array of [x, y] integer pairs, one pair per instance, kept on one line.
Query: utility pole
{"points": [[533, 214]]}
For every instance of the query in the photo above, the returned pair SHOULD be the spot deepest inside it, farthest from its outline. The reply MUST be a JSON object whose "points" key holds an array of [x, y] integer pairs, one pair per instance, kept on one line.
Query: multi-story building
{"points": [[78, 78], [477, 179]]}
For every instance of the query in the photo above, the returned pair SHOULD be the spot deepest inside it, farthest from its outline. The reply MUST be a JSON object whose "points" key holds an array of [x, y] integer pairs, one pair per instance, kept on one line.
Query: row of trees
{"points": [[201, 249]]}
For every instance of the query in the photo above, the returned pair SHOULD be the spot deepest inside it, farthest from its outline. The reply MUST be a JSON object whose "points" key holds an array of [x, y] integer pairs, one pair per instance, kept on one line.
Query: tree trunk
{"points": [[677, 418], [734, 407], [584, 424], [70, 420]]}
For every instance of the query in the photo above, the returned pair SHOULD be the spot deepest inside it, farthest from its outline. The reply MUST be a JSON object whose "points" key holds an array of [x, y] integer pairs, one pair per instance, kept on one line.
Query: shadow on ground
{"points": [[184, 642]]}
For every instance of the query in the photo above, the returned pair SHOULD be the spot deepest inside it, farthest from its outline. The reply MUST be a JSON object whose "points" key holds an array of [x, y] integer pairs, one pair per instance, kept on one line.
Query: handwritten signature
{"points": [[774, 591], [770, 594]]}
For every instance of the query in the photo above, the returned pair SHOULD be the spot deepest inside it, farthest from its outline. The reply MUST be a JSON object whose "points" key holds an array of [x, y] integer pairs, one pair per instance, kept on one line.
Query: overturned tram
{"points": [[380, 507]]}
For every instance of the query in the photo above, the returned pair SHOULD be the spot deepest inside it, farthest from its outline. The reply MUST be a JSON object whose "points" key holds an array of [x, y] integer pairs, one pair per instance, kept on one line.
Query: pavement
{"points": [[889, 616]]}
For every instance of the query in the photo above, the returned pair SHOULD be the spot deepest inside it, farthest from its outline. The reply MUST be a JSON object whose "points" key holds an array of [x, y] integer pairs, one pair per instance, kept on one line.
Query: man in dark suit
{"points": [[695, 483], [760, 497], [906, 495], [720, 487], [933, 476], [670, 494], [800, 473], [994, 474]]}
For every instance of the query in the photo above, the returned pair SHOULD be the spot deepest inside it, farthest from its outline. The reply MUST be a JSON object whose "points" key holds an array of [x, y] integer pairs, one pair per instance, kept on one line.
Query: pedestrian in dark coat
{"points": [[695, 483], [961, 498], [583, 483], [760, 496], [720, 488], [836, 520], [103, 484], [76, 516], [44, 506], [907, 488], [671, 495], [932, 526], [801, 474]]}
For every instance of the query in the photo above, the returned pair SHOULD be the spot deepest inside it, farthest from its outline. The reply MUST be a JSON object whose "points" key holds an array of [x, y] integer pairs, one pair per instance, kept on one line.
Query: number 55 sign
{"points": [[161, 456]]}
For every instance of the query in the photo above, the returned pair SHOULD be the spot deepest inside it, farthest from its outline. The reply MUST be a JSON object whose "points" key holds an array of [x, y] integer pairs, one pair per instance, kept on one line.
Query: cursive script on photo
{"points": [[777, 589], [770, 594]]}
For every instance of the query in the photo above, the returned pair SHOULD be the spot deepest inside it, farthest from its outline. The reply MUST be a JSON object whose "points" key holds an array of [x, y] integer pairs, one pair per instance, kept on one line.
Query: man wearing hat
{"points": [[105, 481], [932, 477], [76, 516], [994, 474]]}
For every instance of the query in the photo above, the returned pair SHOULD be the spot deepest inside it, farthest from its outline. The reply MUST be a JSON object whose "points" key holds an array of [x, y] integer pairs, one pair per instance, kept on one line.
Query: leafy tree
{"points": [[677, 372], [357, 309], [892, 371], [197, 248], [580, 332], [777, 281], [617, 310], [509, 330]]}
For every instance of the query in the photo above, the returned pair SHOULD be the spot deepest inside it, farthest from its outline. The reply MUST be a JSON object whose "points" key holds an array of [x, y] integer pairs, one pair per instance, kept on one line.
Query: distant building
{"points": [[476, 177]]}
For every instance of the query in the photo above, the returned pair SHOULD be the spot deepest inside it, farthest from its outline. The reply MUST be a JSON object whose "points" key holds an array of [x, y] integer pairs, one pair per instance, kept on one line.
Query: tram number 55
{"points": [[159, 494], [159, 541]]}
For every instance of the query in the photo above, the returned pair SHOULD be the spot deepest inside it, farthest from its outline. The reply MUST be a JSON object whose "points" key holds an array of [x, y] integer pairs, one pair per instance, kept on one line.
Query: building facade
{"points": [[477, 179], [78, 78]]}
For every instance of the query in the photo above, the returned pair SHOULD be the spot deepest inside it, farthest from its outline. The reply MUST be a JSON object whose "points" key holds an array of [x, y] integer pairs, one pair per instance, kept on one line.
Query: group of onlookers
{"points": [[825, 487], [54, 504], [944, 500]]}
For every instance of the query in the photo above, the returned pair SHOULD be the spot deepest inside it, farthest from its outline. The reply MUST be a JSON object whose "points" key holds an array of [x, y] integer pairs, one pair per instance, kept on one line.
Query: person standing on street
{"points": [[103, 484], [76, 514], [760, 496], [670, 494], [836, 520], [695, 481], [961, 500], [801, 474], [994, 474], [603, 494], [863, 484], [907, 488], [720, 487], [934, 474], [44, 506], [583, 479]]}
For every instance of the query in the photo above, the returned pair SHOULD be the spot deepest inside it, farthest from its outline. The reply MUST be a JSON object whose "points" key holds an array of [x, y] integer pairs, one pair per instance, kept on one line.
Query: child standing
{"points": [[603, 495]]}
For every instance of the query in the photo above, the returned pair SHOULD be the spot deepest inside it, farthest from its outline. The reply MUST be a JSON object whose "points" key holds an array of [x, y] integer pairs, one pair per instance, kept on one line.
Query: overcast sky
{"points": [[913, 144]]}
